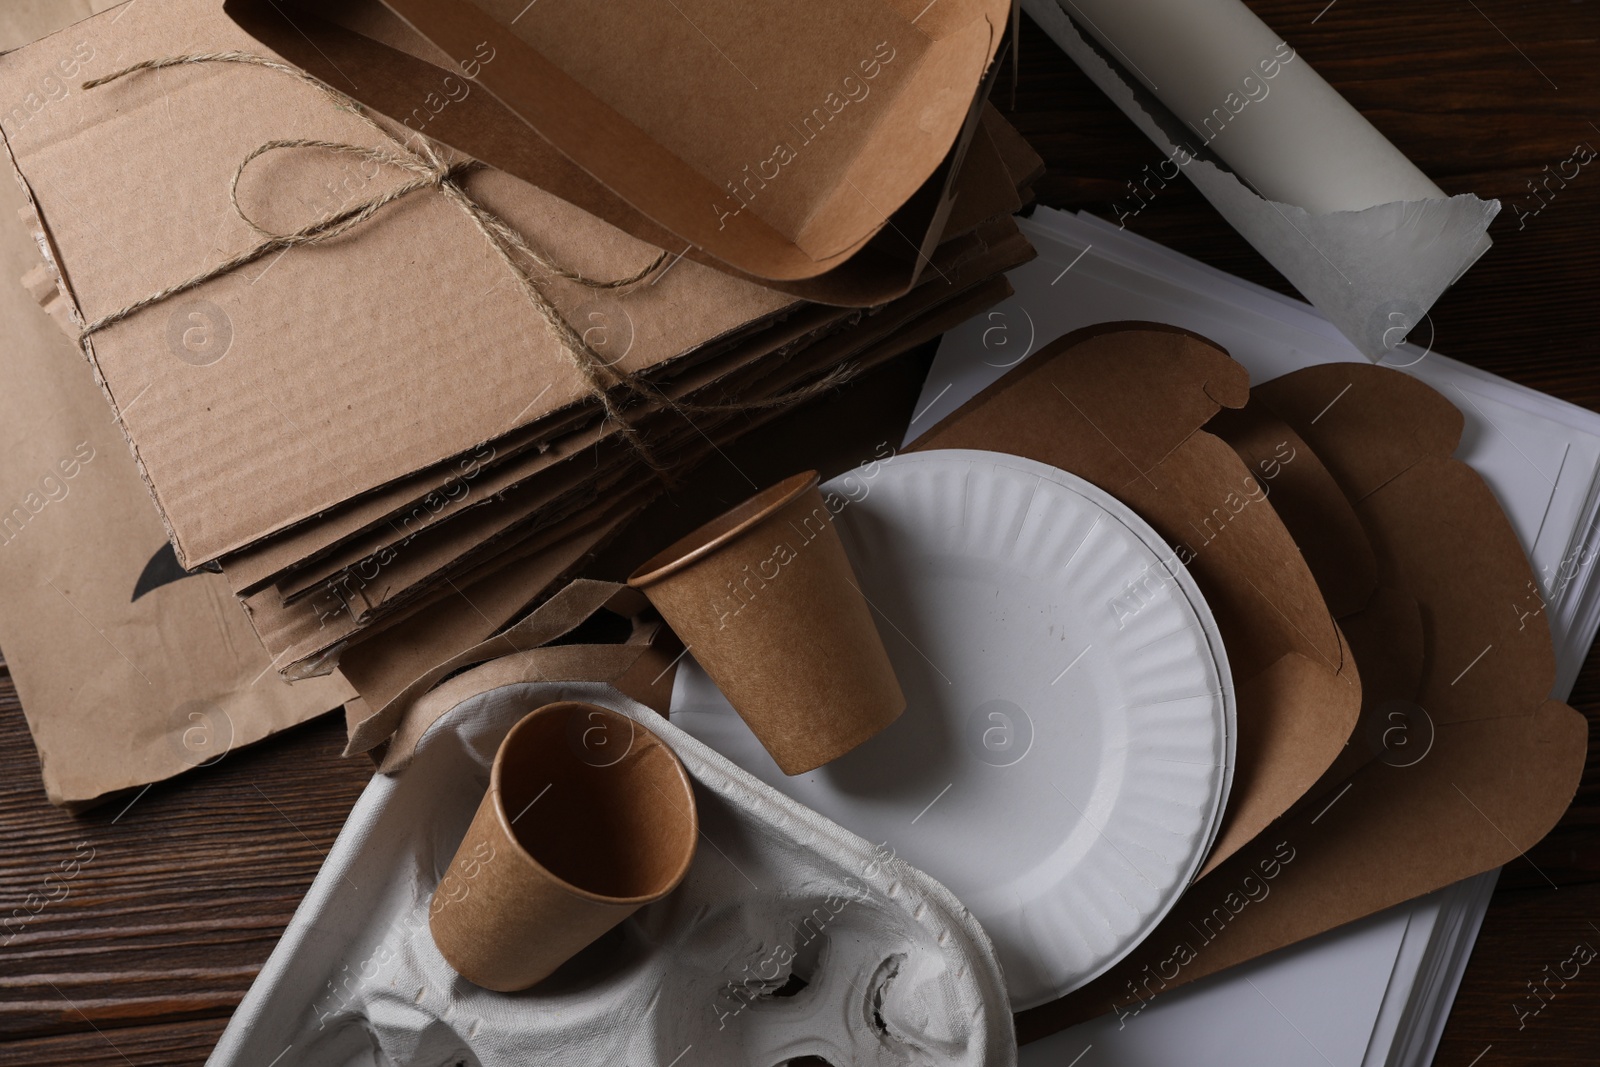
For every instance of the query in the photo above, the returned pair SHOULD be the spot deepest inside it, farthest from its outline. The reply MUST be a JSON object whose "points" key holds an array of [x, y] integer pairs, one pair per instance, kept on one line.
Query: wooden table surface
{"points": [[183, 890]]}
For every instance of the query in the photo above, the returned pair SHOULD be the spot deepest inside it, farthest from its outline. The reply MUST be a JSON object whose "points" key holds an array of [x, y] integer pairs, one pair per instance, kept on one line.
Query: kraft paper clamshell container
{"points": [[766, 600], [588, 818], [776, 143], [1448, 774]]}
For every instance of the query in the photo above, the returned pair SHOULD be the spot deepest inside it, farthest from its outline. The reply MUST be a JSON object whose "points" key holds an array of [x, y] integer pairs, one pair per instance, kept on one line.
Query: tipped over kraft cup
{"points": [[589, 816], [766, 600]]}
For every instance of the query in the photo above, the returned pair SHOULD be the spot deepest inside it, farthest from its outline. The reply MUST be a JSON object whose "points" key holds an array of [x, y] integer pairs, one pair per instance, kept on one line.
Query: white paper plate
{"points": [[1067, 748]]}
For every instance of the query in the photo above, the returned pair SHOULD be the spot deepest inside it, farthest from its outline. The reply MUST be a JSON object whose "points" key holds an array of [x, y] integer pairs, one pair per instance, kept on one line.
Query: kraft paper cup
{"points": [[589, 816], [766, 600]]}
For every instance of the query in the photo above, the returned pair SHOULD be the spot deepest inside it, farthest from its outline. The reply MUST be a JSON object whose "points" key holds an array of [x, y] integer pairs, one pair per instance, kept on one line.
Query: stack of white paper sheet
{"points": [[1375, 993]]}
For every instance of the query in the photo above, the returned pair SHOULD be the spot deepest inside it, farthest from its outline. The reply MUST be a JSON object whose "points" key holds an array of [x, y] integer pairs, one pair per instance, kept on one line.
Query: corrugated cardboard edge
{"points": [[35, 222]]}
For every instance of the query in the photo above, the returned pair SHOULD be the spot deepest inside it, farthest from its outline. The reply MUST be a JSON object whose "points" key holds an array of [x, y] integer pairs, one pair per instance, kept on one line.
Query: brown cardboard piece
{"points": [[310, 566], [305, 643], [531, 486], [320, 642], [389, 662], [784, 170], [129, 671], [997, 164], [367, 50], [401, 503], [315, 629], [766, 597], [588, 817], [1122, 405], [641, 667], [1479, 765]]}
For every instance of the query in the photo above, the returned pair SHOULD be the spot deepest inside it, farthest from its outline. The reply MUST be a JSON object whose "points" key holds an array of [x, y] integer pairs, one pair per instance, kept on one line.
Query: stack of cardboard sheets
{"points": [[387, 420], [342, 463]]}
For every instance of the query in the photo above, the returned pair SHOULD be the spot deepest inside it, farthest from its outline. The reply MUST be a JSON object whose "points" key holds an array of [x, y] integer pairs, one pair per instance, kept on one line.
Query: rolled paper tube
{"points": [[767, 602], [1244, 92], [589, 816]]}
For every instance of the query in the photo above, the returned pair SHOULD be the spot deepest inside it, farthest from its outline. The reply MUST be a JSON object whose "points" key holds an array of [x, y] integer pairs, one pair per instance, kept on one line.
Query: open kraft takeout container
{"points": [[1435, 592], [1462, 761], [810, 148]]}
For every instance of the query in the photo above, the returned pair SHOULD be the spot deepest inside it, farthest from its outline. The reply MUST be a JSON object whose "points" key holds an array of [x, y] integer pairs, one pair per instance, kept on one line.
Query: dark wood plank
{"points": [[168, 1043], [1527, 997], [163, 904], [157, 936]]}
